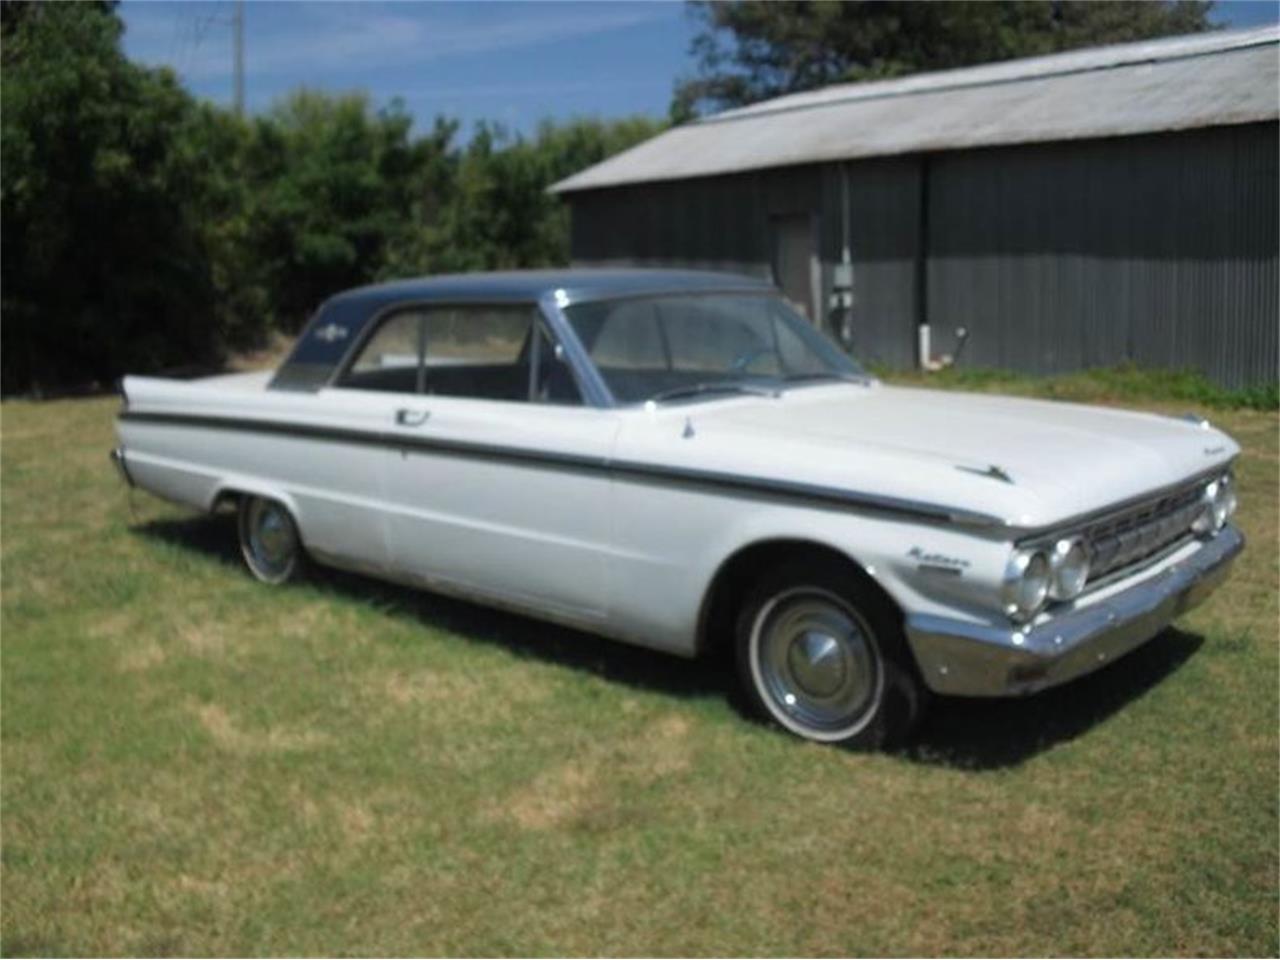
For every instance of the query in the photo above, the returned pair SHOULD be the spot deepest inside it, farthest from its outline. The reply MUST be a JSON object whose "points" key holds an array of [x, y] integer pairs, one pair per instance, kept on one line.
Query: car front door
{"points": [[498, 486]]}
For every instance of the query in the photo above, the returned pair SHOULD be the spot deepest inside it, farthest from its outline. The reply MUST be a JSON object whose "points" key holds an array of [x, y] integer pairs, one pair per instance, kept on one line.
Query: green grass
{"points": [[1124, 385], [196, 764]]}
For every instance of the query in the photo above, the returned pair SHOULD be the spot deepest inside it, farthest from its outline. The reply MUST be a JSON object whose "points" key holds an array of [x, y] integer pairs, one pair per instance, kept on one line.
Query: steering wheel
{"points": [[745, 359]]}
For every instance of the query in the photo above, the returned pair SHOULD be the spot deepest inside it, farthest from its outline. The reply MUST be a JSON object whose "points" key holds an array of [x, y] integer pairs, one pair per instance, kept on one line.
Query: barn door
{"points": [[795, 259]]}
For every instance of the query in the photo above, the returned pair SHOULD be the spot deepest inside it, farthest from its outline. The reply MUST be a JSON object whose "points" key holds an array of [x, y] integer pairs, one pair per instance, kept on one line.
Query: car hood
{"points": [[1031, 462]]}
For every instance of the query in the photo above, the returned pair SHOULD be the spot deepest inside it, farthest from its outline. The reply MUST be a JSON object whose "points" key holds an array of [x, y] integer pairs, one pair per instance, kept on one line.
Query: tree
{"points": [[331, 189], [486, 206], [105, 191], [144, 230], [748, 50]]}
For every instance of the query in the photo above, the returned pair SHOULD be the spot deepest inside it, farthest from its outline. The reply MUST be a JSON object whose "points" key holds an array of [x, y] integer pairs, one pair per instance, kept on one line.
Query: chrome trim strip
{"points": [[621, 469], [747, 289], [833, 496], [984, 660]]}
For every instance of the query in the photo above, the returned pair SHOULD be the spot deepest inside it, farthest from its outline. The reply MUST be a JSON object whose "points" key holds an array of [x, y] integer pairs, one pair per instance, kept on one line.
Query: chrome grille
{"points": [[1126, 539]]}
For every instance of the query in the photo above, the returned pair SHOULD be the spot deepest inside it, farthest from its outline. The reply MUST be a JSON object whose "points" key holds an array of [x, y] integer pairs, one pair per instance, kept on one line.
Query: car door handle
{"points": [[411, 418]]}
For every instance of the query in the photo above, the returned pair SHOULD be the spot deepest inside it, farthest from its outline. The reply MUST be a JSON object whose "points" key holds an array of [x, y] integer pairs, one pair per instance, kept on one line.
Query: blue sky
{"points": [[513, 62]]}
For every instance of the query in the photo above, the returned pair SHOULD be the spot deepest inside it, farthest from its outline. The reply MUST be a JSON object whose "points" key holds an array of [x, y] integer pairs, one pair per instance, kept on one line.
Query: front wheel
{"points": [[823, 655], [269, 540]]}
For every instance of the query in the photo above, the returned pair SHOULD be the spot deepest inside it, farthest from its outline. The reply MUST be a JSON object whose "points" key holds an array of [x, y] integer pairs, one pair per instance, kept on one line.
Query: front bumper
{"points": [[979, 660]]}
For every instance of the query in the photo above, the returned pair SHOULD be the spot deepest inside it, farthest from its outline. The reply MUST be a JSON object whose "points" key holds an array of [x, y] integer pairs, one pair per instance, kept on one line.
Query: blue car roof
{"points": [[533, 284], [341, 319]]}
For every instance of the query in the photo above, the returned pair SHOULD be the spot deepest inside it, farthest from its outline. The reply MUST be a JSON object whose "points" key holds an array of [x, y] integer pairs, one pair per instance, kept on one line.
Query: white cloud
{"points": [[332, 38]]}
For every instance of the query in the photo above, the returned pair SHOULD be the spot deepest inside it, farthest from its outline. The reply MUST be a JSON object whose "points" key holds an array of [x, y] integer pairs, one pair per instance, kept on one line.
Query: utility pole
{"points": [[237, 29]]}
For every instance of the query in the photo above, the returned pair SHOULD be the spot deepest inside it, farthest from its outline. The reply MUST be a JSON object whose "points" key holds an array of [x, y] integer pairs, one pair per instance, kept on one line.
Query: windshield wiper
{"points": [[716, 386]]}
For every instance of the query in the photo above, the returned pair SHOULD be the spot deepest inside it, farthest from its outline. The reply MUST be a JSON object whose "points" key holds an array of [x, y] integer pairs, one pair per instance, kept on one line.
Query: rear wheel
{"points": [[269, 540], [822, 654]]}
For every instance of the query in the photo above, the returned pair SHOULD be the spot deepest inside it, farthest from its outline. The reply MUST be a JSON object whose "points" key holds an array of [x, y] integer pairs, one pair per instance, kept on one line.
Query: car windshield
{"points": [[667, 348]]}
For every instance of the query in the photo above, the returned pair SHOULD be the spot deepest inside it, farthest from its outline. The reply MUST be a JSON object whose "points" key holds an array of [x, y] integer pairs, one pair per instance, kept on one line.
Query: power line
{"points": [[199, 29], [238, 35]]}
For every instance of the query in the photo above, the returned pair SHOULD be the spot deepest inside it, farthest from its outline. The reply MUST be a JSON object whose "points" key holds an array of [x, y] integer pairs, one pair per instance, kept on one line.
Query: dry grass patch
{"points": [[231, 736], [590, 788], [563, 795], [495, 694], [145, 657]]}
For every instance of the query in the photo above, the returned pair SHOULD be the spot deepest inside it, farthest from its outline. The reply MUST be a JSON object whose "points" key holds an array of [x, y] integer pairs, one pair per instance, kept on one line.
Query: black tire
{"points": [[821, 653], [269, 541]]}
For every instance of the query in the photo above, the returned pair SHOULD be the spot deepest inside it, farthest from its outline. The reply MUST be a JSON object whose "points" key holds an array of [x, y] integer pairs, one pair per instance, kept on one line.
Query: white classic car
{"points": [[678, 460]]}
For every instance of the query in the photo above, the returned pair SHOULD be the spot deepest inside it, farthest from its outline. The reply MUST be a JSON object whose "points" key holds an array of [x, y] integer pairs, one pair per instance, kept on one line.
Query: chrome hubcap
{"points": [[817, 662], [271, 538]]}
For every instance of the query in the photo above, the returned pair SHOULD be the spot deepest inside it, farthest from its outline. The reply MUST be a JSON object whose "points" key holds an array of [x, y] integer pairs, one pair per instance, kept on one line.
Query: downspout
{"points": [[842, 281], [924, 341], [923, 345], [844, 214]]}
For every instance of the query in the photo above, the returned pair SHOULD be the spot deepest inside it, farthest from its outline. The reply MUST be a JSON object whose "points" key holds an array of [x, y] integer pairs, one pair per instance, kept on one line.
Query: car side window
{"points": [[391, 359], [481, 352]]}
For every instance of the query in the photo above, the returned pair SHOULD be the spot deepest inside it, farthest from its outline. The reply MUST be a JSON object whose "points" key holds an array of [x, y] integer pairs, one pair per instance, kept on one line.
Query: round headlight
{"points": [[1070, 564], [1224, 502], [1206, 521], [1026, 584]]}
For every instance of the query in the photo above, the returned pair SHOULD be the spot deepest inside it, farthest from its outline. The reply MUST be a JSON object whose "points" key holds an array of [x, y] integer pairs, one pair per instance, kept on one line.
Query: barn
{"points": [[1092, 208]]}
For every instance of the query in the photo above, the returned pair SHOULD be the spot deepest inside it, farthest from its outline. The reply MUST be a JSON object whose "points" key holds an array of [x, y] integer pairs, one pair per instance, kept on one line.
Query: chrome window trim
{"points": [[590, 382]]}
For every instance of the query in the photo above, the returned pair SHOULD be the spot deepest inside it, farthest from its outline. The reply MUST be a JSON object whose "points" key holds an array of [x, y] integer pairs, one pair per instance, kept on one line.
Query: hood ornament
{"points": [[993, 472]]}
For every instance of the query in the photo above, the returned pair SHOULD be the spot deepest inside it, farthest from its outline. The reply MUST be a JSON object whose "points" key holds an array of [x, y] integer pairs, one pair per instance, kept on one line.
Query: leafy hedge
{"points": [[143, 229]]}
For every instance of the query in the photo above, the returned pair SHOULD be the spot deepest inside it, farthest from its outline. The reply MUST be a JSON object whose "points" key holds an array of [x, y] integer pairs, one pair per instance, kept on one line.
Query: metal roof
{"points": [[1148, 87]]}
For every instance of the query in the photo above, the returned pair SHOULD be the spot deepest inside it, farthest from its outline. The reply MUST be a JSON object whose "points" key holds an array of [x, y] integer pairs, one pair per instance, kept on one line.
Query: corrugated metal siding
{"points": [[1160, 251], [723, 223], [716, 223]]}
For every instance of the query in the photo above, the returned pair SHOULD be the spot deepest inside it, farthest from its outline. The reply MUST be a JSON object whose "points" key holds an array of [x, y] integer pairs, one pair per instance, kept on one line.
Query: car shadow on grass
{"points": [[975, 734], [524, 636], [984, 734]]}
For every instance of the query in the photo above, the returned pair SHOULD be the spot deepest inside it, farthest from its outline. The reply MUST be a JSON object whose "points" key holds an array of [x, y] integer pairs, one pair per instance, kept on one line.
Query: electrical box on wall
{"points": [[842, 286]]}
